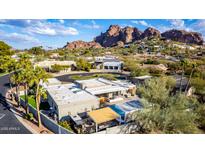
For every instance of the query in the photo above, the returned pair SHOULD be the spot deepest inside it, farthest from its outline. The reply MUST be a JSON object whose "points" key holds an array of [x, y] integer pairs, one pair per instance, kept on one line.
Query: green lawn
{"points": [[31, 100], [107, 76]]}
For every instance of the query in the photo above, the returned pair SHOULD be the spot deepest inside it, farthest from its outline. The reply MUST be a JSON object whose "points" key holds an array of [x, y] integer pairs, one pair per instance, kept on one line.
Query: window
{"points": [[106, 67], [116, 67]]}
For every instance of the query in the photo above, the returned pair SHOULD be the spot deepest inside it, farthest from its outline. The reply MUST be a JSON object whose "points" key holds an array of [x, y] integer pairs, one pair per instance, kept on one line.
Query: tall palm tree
{"points": [[190, 76], [183, 64], [40, 77], [27, 80], [26, 75], [16, 79]]}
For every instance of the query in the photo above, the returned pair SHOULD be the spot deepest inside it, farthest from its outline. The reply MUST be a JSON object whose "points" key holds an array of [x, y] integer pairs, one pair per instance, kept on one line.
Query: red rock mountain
{"points": [[115, 35], [118, 36], [150, 32], [184, 36], [82, 44]]}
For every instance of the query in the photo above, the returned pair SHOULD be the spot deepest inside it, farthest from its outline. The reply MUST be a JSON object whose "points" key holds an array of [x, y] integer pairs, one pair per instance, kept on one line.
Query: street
{"points": [[9, 124]]}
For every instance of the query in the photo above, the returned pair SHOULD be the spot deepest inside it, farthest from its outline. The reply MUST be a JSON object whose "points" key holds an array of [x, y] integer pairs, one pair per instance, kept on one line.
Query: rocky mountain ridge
{"points": [[118, 36]]}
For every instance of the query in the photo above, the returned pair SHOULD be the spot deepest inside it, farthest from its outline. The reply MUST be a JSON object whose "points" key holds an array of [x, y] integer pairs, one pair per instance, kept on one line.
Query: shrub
{"points": [[82, 64], [58, 68], [156, 72], [65, 125], [29, 116], [139, 72], [150, 61]]}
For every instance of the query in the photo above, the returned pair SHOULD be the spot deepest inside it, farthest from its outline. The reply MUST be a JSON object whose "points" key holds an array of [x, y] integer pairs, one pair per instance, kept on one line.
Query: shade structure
{"points": [[103, 115]]}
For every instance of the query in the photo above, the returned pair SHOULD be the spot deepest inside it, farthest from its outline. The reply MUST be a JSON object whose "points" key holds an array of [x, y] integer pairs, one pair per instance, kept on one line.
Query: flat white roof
{"points": [[100, 85], [48, 63], [51, 82], [69, 93]]}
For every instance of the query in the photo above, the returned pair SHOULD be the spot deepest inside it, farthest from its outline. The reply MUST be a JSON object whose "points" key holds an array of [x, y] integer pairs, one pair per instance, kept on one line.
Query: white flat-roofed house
{"points": [[112, 65], [105, 88], [47, 64], [69, 100], [109, 63], [51, 82]]}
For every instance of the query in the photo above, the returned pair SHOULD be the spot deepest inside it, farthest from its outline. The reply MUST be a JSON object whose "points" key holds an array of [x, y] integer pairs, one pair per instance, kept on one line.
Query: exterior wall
{"points": [[73, 109], [47, 122], [112, 66], [52, 103]]}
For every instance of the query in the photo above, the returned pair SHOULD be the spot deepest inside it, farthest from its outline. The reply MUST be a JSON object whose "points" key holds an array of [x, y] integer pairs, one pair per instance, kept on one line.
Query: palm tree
{"points": [[183, 64], [27, 80], [40, 76], [190, 76], [16, 79], [26, 74], [24, 61]]}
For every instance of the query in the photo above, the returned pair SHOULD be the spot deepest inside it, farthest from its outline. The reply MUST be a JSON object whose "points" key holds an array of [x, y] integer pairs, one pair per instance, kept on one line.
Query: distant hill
{"points": [[117, 36]]}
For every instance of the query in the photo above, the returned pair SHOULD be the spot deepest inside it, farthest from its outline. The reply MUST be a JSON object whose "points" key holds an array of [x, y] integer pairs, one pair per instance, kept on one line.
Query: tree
{"points": [[83, 65], [37, 50], [24, 61], [129, 64], [163, 112], [58, 68], [199, 86], [16, 79], [183, 64], [40, 75], [28, 75], [190, 76], [139, 72], [5, 49]]}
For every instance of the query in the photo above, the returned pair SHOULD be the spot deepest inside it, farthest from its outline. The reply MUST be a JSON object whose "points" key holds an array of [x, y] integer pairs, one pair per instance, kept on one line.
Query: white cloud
{"points": [[92, 25], [61, 21], [177, 23], [42, 27], [42, 30], [17, 37], [51, 29], [68, 31], [199, 26], [141, 22]]}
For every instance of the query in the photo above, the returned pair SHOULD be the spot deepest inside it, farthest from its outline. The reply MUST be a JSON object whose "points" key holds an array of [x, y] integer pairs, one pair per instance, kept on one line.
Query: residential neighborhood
{"points": [[119, 83]]}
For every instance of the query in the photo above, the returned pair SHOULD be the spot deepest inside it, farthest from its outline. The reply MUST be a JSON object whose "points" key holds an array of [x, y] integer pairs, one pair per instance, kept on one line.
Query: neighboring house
{"points": [[109, 63], [113, 65], [140, 79], [47, 64]]}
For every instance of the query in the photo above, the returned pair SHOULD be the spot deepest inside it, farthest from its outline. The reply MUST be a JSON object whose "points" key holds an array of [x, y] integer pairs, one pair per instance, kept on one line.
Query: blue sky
{"points": [[21, 34]]}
